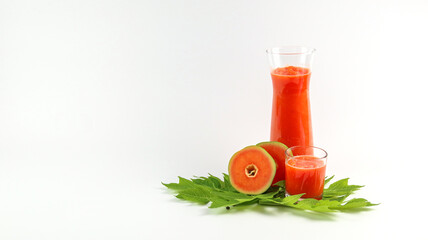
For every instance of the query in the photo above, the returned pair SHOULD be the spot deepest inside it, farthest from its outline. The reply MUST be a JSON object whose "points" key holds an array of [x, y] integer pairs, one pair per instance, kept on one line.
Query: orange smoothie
{"points": [[291, 117], [305, 174]]}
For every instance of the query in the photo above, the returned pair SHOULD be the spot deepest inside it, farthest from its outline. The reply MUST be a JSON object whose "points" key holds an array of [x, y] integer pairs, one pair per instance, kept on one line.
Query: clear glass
{"points": [[290, 69], [305, 168]]}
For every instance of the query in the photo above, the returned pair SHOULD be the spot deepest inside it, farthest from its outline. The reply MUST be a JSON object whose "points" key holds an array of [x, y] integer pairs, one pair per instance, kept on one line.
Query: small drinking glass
{"points": [[305, 171]]}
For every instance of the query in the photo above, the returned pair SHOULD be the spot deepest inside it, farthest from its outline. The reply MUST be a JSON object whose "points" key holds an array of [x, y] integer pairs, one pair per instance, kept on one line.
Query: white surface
{"points": [[100, 101]]}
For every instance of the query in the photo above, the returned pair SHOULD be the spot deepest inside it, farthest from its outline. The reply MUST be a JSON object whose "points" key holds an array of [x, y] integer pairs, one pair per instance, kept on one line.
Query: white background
{"points": [[100, 101]]}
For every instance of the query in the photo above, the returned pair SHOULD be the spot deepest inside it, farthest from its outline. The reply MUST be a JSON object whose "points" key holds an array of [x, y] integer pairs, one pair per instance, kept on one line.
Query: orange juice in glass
{"points": [[305, 171], [291, 116]]}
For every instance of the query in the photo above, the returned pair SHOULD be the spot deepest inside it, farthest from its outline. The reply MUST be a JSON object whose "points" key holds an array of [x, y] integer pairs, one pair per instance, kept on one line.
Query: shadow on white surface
{"points": [[274, 211]]}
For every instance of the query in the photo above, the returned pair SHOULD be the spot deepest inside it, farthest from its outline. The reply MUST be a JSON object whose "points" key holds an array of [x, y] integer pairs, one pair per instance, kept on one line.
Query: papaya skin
{"points": [[251, 170], [277, 151]]}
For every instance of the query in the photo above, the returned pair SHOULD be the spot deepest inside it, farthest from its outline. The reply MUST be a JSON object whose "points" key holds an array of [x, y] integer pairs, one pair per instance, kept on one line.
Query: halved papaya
{"points": [[277, 151], [252, 170]]}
